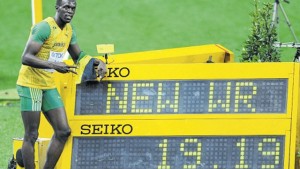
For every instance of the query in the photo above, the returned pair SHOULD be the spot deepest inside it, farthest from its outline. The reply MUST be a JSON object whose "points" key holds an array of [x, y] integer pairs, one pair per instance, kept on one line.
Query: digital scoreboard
{"points": [[184, 116]]}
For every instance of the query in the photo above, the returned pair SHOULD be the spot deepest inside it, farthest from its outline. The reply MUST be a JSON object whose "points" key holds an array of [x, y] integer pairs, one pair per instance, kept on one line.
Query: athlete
{"points": [[48, 42]]}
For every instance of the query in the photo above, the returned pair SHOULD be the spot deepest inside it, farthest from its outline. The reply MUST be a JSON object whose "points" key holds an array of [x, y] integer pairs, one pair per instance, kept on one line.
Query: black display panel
{"points": [[194, 152], [182, 97]]}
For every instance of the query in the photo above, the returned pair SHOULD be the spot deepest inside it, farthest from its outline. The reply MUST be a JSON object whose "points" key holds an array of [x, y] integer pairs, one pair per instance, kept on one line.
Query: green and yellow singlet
{"points": [[55, 44]]}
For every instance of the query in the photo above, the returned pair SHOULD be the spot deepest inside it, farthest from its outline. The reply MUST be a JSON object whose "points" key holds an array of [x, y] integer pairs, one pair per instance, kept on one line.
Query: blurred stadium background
{"points": [[132, 26]]}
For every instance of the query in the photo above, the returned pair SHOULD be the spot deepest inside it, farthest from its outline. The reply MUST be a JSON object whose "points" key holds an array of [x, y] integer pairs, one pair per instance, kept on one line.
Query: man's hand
{"points": [[61, 67], [101, 68]]}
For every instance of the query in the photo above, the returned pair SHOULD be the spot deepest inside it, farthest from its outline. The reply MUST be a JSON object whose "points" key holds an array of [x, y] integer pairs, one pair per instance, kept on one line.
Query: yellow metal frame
{"points": [[192, 54], [188, 125]]}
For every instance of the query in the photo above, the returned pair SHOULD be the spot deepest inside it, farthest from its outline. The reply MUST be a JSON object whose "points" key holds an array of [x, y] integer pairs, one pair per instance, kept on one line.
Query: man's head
{"points": [[65, 10]]}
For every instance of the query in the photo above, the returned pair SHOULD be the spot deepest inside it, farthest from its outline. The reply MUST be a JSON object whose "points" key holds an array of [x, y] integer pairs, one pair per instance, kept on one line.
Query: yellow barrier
{"points": [[185, 115], [135, 104]]}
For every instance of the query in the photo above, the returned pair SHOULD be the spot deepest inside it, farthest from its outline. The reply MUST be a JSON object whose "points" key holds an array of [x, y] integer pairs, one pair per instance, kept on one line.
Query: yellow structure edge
{"points": [[193, 54], [183, 127]]}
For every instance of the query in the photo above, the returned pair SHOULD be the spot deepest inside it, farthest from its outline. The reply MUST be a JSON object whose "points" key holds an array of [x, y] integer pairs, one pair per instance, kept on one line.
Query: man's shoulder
{"points": [[48, 20], [41, 31], [42, 26], [43, 22]]}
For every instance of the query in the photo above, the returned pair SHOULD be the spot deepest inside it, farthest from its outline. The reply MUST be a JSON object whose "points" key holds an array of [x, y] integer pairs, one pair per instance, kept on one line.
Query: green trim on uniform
{"points": [[36, 98], [74, 35], [41, 32], [33, 99]]}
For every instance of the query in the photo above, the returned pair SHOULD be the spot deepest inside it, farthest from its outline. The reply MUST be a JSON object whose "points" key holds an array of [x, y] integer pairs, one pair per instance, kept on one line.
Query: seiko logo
{"points": [[106, 129], [118, 72]]}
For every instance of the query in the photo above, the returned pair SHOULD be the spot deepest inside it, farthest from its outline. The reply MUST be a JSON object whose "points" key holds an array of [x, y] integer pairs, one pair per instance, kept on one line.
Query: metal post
{"points": [[288, 23], [36, 10]]}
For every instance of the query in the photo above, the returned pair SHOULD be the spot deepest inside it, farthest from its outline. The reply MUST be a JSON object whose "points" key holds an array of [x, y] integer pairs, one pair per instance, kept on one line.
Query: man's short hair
{"points": [[58, 2]]}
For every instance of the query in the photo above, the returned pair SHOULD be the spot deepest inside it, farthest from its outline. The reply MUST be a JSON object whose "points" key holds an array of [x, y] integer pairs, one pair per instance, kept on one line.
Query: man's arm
{"points": [[29, 58], [74, 51]]}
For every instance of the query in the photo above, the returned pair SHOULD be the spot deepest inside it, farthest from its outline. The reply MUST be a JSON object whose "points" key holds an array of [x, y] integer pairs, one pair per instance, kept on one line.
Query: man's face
{"points": [[66, 10]]}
